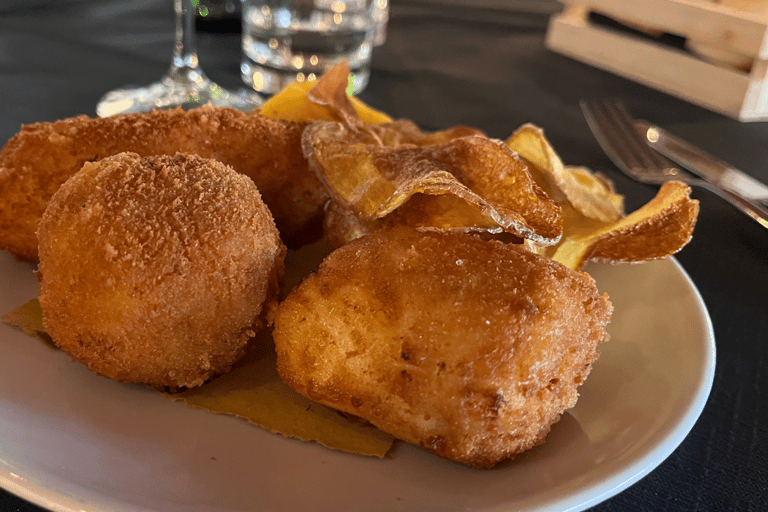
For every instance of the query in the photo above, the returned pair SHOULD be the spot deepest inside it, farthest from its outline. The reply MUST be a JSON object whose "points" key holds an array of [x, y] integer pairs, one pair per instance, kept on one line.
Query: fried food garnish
{"points": [[658, 229], [590, 194], [373, 169], [444, 212], [42, 156], [469, 348], [594, 224], [325, 99], [157, 270]]}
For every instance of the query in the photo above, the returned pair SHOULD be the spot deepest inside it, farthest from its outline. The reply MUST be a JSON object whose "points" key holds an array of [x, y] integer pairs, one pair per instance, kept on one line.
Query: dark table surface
{"points": [[446, 64]]}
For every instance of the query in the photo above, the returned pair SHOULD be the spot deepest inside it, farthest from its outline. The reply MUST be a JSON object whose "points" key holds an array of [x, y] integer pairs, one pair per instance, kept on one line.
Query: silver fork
{"points": [[616, 133]]}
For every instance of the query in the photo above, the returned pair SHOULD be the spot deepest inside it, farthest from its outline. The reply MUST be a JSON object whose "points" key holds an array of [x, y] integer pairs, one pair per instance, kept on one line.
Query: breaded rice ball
{"points": [[157, 270], [469, 348]]}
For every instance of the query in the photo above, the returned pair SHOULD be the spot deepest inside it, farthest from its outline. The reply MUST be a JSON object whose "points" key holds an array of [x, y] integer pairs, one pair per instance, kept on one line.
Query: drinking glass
{"points": [[298, 40], [185, 84]]}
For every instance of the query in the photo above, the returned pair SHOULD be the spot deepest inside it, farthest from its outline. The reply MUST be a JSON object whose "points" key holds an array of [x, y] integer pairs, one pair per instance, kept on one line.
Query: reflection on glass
{"points": [[185, 84], [299, 40]]}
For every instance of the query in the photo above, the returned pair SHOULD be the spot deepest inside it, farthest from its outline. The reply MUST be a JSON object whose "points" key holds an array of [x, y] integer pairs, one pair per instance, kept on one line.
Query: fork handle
{"points": [[747, 206]]}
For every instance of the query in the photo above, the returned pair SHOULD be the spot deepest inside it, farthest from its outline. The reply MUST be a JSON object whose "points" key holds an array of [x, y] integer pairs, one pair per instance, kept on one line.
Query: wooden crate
{"points": [[724, 66]]}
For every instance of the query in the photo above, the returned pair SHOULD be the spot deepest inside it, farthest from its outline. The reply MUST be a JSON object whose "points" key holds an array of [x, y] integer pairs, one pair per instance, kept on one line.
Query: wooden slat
{"points": [[741, 31], [731, 92]]}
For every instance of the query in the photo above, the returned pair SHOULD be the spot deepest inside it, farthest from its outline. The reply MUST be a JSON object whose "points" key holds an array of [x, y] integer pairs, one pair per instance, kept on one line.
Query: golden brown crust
{"points": [[37, 161], [665, 229], [158, 269], [469, 348], [375, 169]]}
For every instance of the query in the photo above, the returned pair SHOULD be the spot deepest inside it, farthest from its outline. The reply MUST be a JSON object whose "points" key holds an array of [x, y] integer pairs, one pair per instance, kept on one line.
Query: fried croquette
{"points": [[471, 349], [157, 270], [42, 156]]}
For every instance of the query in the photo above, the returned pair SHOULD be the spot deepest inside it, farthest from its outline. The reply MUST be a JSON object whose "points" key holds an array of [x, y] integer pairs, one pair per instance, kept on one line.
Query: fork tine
{"points": [[644, 155], [600, 124], [615, 131]]}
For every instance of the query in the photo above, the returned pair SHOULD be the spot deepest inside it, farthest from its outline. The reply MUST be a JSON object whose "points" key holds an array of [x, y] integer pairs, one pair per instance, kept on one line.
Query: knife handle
{"points": [[747, 206]]}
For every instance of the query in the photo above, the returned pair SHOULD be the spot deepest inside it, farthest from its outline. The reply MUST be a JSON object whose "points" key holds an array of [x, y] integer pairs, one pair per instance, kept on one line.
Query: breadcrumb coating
{"points": [[471, 349], [42, 156], [157, 270]]}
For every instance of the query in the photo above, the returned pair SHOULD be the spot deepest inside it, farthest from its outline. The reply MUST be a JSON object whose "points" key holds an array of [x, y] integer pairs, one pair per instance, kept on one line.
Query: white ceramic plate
{"points": [[72, 441]]}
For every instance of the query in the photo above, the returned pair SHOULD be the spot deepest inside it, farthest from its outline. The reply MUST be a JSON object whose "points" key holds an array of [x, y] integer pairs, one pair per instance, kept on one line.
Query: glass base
{"points": [[269, 80], [168, 93]]}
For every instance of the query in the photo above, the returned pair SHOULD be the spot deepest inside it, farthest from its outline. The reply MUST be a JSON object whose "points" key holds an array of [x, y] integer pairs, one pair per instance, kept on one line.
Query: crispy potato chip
{"points": [[450, 204], [591, 195], [254, 392], [545, 165], [374, 169], [444, 212], [660, 228], [322, 100], [594, 225]]}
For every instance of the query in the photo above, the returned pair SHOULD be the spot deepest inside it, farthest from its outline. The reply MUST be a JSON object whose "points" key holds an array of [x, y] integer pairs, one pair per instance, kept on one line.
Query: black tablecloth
{"points": [[446, 64]]}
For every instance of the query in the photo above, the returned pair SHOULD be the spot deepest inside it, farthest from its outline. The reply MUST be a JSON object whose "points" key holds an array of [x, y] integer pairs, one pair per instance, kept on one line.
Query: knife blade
{"points": [[703, 164]]}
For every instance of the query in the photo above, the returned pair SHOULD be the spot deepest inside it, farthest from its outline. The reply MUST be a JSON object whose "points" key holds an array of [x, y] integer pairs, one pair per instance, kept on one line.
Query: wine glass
{"points": [[185, 84]]}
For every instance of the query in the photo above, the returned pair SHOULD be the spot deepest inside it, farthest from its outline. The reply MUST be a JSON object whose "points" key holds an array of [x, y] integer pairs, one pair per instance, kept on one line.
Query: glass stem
{"points": [[184, 65]]}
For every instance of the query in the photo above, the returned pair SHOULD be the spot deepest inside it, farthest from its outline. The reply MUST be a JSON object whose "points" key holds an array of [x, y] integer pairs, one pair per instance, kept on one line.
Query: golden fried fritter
{"points": [[42, 156], [157, 270], [469, 348]]}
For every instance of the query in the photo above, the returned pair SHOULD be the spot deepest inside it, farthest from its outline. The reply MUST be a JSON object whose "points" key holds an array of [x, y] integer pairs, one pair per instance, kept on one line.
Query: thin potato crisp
{"points": [[589, 194], [660, 228], [594, 224], [321, 100], [374, 169]]}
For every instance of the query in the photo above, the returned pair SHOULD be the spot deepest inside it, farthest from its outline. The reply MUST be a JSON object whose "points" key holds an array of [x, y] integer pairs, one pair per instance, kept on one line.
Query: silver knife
{"points": [[702, 164]]}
